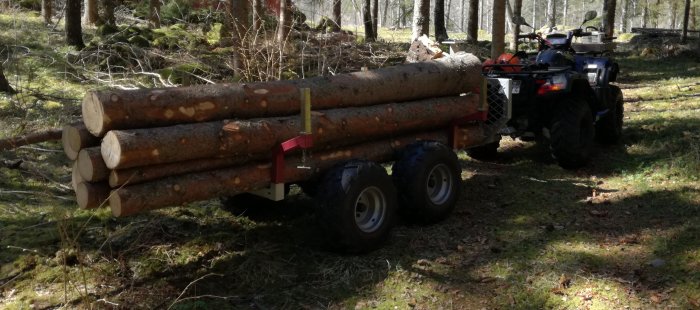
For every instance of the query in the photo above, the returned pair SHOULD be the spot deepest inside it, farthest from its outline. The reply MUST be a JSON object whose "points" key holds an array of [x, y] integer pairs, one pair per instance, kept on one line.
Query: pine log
{"points": [[76, 178], [35, 137], [331, 128], [91, 166], [76, 137], [145, 108], [148, 173], [423, 49], [186, 188], [92, 195]]}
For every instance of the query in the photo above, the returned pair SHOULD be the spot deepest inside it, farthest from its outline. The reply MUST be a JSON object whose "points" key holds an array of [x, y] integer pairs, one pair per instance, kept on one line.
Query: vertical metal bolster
{"points": [[306, 110], [483, 96]]}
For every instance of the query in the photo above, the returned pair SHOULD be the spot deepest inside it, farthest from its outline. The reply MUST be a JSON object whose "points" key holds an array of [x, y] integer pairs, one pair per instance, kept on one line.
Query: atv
{"points": [[561, 93]]}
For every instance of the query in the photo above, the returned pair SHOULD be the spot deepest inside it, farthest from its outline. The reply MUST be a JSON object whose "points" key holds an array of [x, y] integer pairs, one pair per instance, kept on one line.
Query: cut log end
{"points": [[111, 150], [76, 178], [91, 195], [70, 137], [91, 166], [94, 115]]}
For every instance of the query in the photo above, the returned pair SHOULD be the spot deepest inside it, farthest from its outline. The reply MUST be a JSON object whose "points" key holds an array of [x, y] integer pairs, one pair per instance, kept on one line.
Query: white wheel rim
{"points": [[370, 209], [439, 184]]}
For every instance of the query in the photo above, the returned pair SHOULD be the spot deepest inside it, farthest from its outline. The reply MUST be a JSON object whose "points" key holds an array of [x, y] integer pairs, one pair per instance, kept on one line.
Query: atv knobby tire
{"points": [[572, 133], [608, 129], [427, 177], [357, 206]]}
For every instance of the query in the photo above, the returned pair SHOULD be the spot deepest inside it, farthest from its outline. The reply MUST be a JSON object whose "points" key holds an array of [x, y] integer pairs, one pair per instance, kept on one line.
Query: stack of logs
{"points": [[145, 149]]}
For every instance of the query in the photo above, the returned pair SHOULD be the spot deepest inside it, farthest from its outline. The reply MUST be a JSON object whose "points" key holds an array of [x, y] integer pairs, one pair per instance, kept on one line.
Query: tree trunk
{"points": [[440, 30], [109, 12], [367, 20], [74, 31], [149, 173], [91, 16], [421, 19], [686, 16], [498, 29], [609, 18], [473, 23], [624, 15], [284, 22], [258, 13], [92, 195], [255, 138], [385, 23], [32, 138], [76, 137], [337, 15], [126, 109], [91, 166], [375, 19], [517, 11], [566, 13], [4, 84], [47, 10], [551, 14], [534, 14], [154, 13], [179, 190], [645, 14]]}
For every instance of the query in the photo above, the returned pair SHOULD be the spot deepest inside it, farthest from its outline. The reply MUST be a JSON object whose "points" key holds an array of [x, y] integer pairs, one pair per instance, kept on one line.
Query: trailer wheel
{"points": [[356, 206], [608, 129], [487, 151], [572, 133], [427, 176]]}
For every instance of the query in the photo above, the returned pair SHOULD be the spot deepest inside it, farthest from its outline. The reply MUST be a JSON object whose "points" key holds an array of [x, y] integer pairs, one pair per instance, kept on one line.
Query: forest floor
{"points": [[624, 232]]}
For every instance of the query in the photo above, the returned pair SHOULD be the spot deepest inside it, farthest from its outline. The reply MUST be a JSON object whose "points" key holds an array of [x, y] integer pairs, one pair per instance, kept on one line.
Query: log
{"points": [[464, 138], [92, 195], [76, 178], [91, 166], [423, 49], [76, 137], [145, 108], [182, 189], [148, 173], [36, 137], [254, 138]]}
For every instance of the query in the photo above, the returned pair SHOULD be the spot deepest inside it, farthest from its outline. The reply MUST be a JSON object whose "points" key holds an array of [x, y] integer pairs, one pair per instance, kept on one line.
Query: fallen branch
{"points": [[32, 138]]}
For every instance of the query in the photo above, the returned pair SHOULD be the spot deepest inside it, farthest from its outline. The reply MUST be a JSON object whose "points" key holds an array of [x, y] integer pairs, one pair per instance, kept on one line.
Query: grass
{"points": [[622, 232]]}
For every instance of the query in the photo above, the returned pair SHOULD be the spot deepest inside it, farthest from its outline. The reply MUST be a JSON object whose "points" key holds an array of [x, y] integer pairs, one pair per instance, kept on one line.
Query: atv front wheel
{"points": [[572, 133]]}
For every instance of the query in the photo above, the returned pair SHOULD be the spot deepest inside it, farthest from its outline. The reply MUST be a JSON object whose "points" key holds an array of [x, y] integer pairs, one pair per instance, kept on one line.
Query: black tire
{"points": [[427, 177], [357, 206], [572, 133], [608, 129], [485, 152]]}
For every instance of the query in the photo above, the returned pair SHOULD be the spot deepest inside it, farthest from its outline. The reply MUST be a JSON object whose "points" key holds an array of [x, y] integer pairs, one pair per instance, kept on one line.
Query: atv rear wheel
{"points": [[608, 129], [572, 133]]}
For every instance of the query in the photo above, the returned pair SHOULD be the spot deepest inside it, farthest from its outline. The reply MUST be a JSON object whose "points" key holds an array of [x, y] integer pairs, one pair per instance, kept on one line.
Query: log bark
{"points": [[423, 49], [331, 128], [92, 195], [36, 137], [76, 137], [179, 190], [128, 109], [91, 166], [149, 173]]}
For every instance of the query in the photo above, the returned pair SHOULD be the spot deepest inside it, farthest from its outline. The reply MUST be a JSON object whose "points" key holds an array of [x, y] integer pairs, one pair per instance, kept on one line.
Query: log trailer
{"points": [[170, 154]]}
